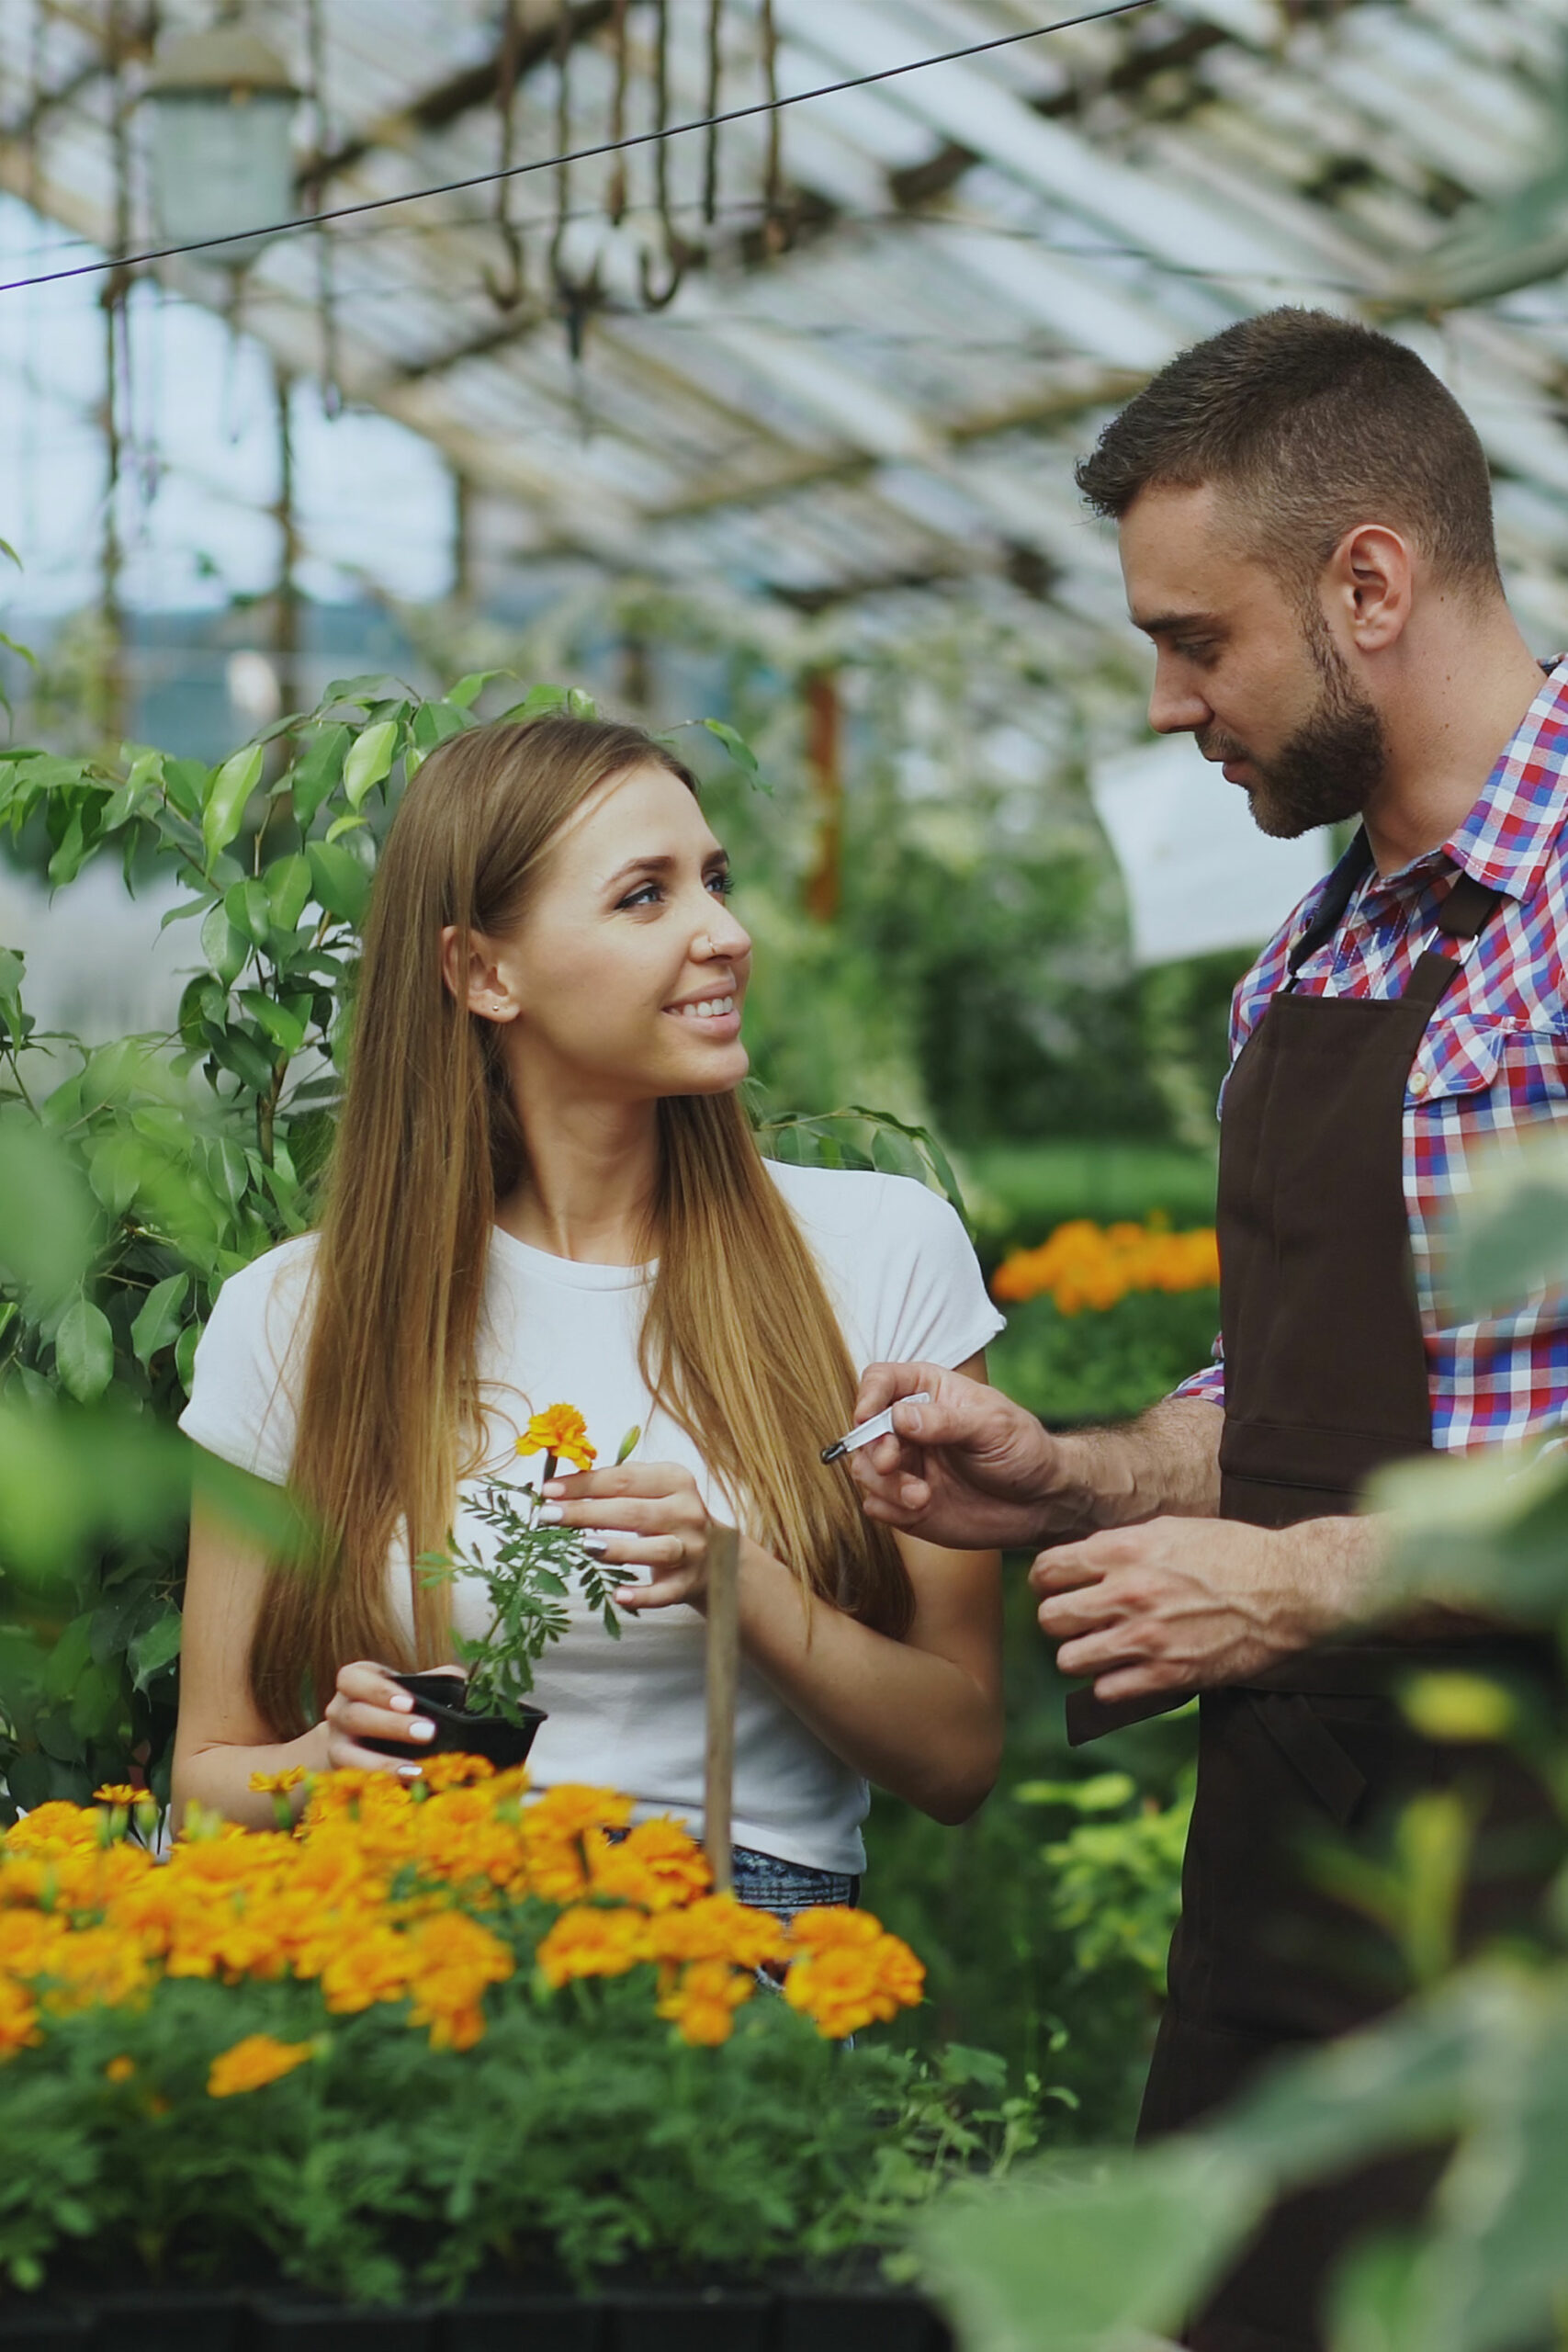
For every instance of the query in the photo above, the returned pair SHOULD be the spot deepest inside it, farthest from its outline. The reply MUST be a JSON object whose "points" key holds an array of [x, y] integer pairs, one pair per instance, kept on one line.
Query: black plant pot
{"points": [[441, 1698]]}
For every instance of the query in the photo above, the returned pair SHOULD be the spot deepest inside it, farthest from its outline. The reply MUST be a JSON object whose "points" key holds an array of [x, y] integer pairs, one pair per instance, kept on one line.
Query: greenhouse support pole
{"points": [[823, 882], [286, 612], [723, 1679]]}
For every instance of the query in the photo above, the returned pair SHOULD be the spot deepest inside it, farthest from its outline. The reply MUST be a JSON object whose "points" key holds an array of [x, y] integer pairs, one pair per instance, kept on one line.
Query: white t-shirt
{"points": [[630, 1714]]}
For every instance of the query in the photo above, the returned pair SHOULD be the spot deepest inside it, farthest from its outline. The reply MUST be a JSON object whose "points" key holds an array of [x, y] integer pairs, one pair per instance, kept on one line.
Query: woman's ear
{"points": [[477, 981]]}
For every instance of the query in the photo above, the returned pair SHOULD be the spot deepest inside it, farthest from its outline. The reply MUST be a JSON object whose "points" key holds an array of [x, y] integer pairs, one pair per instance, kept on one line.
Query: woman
{"points": [[545, 1188]]}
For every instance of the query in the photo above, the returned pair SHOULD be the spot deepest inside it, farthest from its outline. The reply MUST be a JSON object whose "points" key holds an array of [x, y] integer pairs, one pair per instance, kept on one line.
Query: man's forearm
{"points": [[1164, 1465]]}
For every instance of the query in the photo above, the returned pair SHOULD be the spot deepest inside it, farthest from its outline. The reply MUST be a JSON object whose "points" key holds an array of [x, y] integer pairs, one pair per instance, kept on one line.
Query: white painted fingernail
{"points": [[408, 1772], [551, 1515], [595, 1546], [402, 1701], [422, 1728]]}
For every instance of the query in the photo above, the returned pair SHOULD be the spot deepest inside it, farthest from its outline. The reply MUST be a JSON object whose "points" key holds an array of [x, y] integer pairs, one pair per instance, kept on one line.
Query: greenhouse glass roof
{"points": [[914, 300]]}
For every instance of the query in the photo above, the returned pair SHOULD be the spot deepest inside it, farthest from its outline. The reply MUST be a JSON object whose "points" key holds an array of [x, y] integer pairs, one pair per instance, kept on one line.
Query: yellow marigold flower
{"points": [[54, 1824], [657, 1864], [566, 1811], [121, 1792], [279, 1784], [717, 1928], [452, 1958], [585, 1942], [830, 1927], [257, 2060], [120, 2069], [455, 1772], [373, 1967], [18, 2019], [843, 1987], [560, 1430], [703, 2004]]}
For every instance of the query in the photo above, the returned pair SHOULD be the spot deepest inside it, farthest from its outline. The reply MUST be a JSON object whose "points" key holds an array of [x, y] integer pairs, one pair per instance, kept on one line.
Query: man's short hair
{"points": [[1309, 424]]}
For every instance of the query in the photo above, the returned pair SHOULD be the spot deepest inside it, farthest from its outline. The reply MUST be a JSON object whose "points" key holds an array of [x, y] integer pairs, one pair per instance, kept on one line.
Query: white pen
{"points": [[879, 1425]]}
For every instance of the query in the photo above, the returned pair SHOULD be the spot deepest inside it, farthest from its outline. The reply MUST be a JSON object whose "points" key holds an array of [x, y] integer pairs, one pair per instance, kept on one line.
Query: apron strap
{"points": [[1338, 891]]}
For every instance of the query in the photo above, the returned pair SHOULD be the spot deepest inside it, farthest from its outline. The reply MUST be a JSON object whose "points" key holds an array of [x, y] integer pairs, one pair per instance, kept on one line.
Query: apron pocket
{"points": [[1303, 1737]]}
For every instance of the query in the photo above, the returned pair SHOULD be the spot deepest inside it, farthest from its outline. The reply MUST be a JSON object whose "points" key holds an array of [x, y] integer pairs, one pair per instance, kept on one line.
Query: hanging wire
{"points": [[508, 293], [326, 269], [583, 154], [710, 160], [676, 251], [615, 200], [775, 229]]}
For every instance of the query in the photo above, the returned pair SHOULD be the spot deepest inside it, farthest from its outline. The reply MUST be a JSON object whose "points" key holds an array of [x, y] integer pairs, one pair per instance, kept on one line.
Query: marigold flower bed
{"points": [[1082, 1264], [432, 2028]]}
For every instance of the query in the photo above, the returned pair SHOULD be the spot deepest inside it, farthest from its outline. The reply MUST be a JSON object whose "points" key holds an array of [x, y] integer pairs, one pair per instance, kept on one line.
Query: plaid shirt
{"points": [[1494, 1059]]}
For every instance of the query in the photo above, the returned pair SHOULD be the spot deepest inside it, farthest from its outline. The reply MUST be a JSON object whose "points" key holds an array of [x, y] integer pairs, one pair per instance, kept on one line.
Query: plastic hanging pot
{"points": [[441, 1698]]}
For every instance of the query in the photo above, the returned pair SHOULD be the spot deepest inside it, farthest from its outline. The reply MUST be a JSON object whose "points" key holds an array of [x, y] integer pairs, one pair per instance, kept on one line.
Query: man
{"points": [[1306, 532]]}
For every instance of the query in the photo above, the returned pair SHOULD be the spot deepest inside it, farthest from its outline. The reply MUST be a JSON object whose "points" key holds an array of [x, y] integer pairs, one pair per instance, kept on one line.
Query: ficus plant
{"points": [[136, 1176]]}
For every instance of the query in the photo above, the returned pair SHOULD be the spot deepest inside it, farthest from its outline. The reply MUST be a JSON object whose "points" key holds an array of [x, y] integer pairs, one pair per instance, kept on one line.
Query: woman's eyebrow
{"points": [[638, 866]]}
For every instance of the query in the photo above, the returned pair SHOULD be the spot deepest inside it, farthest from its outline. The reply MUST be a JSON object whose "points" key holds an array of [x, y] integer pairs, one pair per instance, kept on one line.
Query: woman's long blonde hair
{"points": [[740, 1343]]}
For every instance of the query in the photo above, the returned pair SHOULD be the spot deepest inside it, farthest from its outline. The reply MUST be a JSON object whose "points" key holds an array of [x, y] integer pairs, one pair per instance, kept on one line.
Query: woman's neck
{"points": [[593, 1174]]}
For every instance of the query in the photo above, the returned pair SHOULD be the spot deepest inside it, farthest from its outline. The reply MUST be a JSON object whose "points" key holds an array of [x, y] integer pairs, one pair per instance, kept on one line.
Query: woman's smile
{"points": [[717, 1015]]}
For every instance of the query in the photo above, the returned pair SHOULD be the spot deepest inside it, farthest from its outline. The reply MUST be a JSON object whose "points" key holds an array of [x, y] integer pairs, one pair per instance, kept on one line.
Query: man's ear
{"points": [[475, 980], [1371, 581]]}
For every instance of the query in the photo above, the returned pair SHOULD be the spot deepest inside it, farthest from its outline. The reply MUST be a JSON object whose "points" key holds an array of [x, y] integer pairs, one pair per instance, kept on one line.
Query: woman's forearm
{"points": [[217, 1775], [913, 1722]]}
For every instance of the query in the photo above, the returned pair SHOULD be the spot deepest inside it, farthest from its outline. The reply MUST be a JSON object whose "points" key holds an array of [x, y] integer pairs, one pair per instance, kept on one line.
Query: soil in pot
{"points": [[441, 1698]]}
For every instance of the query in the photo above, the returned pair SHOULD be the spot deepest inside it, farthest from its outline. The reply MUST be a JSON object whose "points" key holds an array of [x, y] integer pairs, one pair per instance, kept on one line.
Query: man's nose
{"points": [[1176, 708]]}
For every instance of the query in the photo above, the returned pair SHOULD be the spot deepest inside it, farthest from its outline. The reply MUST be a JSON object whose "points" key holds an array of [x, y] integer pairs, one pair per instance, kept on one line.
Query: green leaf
{"points": [[534, 702], [341, 825], [226, 795], [8, 551], [84, 1351], [735, 743], [369, 761], [185, 1354], [434, 722], [70, 1655], [114, 1171], [342, 886], [158, 1647], [319, 772], [356, 689], [249, 908], [468, 690], [46, 1217], [157, 1323], [286, 1025], [287, 881], [226, 949]]}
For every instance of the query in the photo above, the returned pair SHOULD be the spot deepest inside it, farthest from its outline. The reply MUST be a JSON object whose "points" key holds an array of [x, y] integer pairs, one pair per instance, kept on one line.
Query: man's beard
{"points": [[1329, 767]]}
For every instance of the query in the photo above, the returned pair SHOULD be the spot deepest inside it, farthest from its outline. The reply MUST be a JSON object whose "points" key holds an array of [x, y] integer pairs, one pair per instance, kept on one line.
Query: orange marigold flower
{"points": [[703, 2004], [560, 1430], [278, 1784], [657, 1864], [716, 1928], [844, 1986], [830, 1927], [455, 1772], [585, 1942], [18, 2019], [54, 1824], [121, 1792], [257, 2060], [370, 1968], [452, 1958], [568, 1810], [120, 2069]]}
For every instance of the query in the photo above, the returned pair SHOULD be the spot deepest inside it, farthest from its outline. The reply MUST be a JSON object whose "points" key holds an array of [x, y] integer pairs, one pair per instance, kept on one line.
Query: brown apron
{"points": [[1326, 1381]]}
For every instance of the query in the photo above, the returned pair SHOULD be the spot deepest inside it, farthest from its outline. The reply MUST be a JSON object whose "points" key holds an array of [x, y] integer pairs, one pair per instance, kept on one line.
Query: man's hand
{"points": [[971, 1470], [1183, 1604]]}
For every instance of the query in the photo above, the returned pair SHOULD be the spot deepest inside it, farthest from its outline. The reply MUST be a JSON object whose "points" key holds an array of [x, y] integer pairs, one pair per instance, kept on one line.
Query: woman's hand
{"points": [[367, 1704], [644, 1514]]}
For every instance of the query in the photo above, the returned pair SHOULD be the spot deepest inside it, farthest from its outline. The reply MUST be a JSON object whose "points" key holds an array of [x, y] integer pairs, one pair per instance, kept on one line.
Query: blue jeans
{"points": [[784, 1888]]}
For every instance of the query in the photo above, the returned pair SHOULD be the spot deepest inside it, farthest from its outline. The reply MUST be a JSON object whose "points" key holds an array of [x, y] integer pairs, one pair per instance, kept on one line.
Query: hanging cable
{"points": [[583, 154]]}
